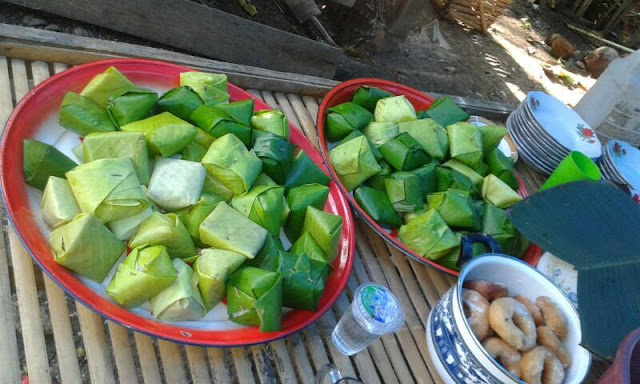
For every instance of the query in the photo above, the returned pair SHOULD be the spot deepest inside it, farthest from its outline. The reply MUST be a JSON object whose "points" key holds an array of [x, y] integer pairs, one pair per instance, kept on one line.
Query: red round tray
{"points": [[42, 104], [343, 93]]}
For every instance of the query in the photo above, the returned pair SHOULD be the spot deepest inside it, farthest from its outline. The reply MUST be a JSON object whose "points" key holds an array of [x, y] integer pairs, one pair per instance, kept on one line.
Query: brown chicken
{"points": [[561, 48], [599, 59]]}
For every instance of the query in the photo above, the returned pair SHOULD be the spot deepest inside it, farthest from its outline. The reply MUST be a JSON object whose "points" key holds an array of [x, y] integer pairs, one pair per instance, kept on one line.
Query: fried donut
{"points": [[513, 323], [504, 353], [476, 310], [489, 290], [553, 316], [533, 310], [540, 366], [548, 339]]}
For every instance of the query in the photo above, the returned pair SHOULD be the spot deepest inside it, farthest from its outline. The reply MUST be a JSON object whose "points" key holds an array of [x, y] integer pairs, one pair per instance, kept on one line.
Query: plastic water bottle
{"points": [[373, 312]]}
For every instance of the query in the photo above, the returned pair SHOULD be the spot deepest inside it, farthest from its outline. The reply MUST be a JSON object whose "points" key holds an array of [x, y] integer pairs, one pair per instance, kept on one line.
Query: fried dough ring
{"points": [[489, 290], [476, 310], [548, 339], [533, 310], [553, 316], [513, 323], [540, 366], [508, 356]]}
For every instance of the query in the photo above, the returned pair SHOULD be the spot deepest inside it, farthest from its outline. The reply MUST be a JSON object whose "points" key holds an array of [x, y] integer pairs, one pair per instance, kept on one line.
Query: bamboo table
{"points": [[46, 335]]}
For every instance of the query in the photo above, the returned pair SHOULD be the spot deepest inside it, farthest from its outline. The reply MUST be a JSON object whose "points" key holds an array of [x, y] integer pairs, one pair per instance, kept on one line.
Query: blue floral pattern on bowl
{"points": [[562, 274]]}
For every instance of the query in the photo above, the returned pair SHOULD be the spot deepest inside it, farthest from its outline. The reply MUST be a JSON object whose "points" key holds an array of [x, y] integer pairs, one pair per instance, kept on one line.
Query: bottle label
{"points": [[378, 304]]}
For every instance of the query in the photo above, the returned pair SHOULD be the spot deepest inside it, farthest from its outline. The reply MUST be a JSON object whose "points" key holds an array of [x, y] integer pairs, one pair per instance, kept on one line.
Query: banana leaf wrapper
{"points": [[429, 134], [269, 251], [176, 184], [367, 97], [193, 216], [464, 169], [450, 260], [456, 208], [354, 162], [404, 153], [427, 178], [226, 228], [298, 199], [496, 224], [446, 112], [58, 204], [107, 85], [125, 228], [218, 123], [165, 133], [271, 121], [379, 133], [502, 166], [241, 110], [305, 171], [131, 106], [308, 246], [167, 230], [395, 110], [263, 205], [483, 169], [264, 179], [498, 193], [276, 156], [229, 161], [356, 134], [215, 187], [193, 152], [82, 116], [377, 181], [181, 300], [254, 297], [213, 268], [203, 138], [144, 273], [211, 87], [404, 192], [428, 235], [422, 114], [491, 137], [465, 144], [86, 246], [108, 189], [412, 215], [42, 162], [346, 118], [325, 228], [105, 145], [450, 178], [78, 153], [377, 205], [180, 102]]}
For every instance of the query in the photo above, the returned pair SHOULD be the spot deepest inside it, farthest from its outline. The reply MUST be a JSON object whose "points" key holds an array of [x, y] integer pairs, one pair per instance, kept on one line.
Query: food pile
{"points": [[198, 189], [429, 175], [525, 337]]}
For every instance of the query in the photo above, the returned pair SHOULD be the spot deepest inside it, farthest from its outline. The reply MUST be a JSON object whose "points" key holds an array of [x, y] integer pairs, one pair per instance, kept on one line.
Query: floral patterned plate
{"points": [[626, 160], [562, 274]]}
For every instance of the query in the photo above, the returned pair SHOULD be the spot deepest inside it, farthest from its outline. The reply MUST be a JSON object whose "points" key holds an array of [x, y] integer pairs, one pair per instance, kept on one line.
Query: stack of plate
{"points": [[620, 163], [545, 131]]}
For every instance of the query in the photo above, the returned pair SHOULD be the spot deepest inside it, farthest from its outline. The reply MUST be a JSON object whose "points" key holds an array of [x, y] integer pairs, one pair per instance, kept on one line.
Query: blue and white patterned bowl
{"points": [[458, 355]]}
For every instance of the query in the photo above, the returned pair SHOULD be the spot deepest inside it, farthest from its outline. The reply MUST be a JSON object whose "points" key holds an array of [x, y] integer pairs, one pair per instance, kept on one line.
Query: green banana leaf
{"points": [[107, 85], [422, 114], [131, 106], [305, 171], [483, 169], [218, 123], [254, 297], [229, 161], [502, 166], [298, 199], [263, 205], [125, 228], [193, 152], [40, 160], [446, 112], [325, 228], [104, 145], [379, 133], [226, 228], [464, 169], [377, 205], [203, 138], [272, 121], [354, 162], [165, 229], [429, 134], [175, 183], [404, 153], [498, 193], [465, 144], [86, 247], [181, 300], [456, 208], [496, 224], [426, 178], [108, 189], [308, 246], [263, 179], [241, 110], [276, 156], [404, 192], [450, 178], [269, 251], [355, 134], [213, 268], [407, 217], [377, 181], [215, 187], [395, 110], [194, 215], [211, 87], [180, 102], [367, 97], [58, 205], [78, 153], [345, 118], [166, 134], [144, 273], [428, 235], [82, 116], [491, 137], [450, 260]]}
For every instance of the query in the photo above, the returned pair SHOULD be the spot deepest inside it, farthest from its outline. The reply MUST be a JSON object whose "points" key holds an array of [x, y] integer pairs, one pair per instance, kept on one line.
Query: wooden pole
{"points": [[615, 19], [594, 36]]}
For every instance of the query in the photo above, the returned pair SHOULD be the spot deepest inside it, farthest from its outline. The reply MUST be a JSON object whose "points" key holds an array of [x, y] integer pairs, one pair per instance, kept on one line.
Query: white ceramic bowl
{"points": [[458, 355]]}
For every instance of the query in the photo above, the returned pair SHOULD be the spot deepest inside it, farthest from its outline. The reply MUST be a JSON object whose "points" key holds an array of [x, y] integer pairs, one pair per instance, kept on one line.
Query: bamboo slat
{"points": [[243, 366], [172, 364], [219, 368], [282, 360], [147, 358], [300, 358], [95, 345], [197, 365], [122, 354]]}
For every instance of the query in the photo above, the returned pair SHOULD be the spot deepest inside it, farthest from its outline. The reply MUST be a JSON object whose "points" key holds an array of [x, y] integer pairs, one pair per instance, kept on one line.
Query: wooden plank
{"points": [[316, 347], [147, 358], [264, 366], [243, 366], [196, 28], [197, 364], [172, 364], [98, 359], [302, 363], [282, 362], [122, 354], [219, 368]]}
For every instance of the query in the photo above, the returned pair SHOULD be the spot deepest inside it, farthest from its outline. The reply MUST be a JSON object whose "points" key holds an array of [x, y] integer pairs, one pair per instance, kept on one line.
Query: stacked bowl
{"points": [[620, 163]]}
